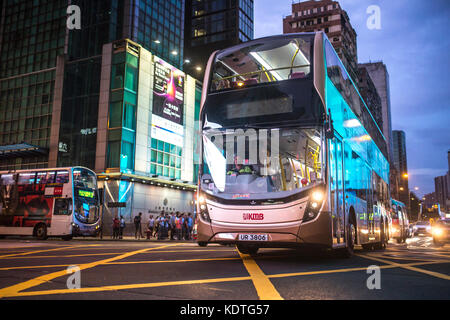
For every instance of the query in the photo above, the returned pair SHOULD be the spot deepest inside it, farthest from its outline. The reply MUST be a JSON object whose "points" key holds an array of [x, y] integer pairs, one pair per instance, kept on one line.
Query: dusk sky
{"points": [[413, 44]]}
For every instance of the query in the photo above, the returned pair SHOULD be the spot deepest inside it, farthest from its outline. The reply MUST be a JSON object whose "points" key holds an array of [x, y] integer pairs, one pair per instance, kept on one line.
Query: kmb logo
{"points": [[253, 216]]}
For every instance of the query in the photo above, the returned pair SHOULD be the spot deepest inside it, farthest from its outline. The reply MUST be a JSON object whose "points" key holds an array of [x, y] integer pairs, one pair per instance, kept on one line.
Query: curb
{"points": [[131, 240]]}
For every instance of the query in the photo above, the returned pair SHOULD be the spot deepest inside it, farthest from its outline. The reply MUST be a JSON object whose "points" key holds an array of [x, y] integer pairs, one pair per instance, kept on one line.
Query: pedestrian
{"points": [[190, 226], [178, 226], [150, 226], [172, 225], [137, 225], [185, 228], [121, 227], [116, 227], [161, 226]]}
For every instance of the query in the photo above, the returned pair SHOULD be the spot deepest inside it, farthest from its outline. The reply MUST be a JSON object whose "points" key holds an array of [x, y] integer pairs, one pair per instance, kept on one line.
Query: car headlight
{"points": [[437, 232]]}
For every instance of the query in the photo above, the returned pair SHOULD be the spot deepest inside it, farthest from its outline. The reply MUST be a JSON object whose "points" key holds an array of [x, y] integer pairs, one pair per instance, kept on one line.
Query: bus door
{"points": [[62, 213], [336, 185]]}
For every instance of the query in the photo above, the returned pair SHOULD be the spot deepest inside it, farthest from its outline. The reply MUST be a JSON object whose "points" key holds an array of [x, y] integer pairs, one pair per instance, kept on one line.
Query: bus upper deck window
{"points": [[7, 179], [45, 177], [62, 177], [26, 178]]}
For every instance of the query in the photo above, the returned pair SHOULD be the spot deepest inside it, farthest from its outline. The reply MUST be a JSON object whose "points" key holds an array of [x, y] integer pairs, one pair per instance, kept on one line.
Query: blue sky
{"points": [[414, 44]]}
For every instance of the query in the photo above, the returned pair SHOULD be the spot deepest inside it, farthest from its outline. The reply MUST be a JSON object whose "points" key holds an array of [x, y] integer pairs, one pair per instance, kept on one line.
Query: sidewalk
{"points": [[129, 239]]}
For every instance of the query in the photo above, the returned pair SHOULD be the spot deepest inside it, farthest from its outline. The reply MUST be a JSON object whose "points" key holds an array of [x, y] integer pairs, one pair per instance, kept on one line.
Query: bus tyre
{"points": [[382, 244], [246, 249], [40, 231], [202, 244], [399, 240], [348, 251]]}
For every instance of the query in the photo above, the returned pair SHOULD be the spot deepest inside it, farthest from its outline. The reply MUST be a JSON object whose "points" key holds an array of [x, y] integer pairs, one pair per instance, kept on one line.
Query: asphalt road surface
{"points": [[153, 270]]}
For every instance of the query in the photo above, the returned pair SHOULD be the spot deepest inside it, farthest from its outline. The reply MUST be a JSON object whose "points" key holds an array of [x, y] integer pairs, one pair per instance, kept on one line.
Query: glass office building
{"points": [[146, 132], [212, 25], [87, 97]]}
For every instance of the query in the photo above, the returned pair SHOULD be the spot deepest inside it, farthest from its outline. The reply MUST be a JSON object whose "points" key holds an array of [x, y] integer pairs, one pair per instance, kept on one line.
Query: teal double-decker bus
{"points": [[291, 154]]}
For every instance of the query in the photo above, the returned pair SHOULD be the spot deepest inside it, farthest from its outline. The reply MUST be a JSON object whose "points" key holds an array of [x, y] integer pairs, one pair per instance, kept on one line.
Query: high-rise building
{"points": [[442, 189], [96, 97], [400, 162], [212, 25], [327, 16], [429, 200], [370, 95], [380, 77]]}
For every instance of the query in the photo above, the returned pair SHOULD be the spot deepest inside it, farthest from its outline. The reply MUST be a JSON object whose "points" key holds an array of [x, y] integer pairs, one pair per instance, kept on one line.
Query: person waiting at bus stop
{"points": [[239, 168]]}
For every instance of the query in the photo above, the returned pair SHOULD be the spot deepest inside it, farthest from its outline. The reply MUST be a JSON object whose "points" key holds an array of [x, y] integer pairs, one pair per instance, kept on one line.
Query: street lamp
{"points": [[405, 175]]}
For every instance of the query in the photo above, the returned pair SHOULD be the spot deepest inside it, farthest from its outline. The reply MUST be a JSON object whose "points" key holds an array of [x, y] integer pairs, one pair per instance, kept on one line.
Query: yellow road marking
{"points": [[66, 256], [200, 281], [406, 266], [125, 286], [45, 250], [120, 263], [264, 288], [8, 291], [307, 273]]}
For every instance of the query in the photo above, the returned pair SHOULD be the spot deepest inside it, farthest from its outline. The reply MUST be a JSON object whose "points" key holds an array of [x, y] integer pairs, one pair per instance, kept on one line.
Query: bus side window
{"points": [[62, 177], [63, 206]]}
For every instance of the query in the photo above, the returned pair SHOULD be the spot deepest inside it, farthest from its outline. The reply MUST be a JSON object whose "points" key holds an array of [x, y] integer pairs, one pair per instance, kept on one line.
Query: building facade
{"points": [[401, 163], [442, 189], [380, 77], [98, 97], [212, 25], [370, 95], [327, 16]]}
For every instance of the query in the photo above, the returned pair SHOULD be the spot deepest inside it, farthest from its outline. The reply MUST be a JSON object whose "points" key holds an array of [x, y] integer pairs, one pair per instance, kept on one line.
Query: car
{"points": [[441, 231], [422, 228]]}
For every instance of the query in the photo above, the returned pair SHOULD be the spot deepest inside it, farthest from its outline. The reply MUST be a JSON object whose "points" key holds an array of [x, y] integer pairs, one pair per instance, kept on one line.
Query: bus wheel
{"points": [[40, 231], [347, 252], [67, 238], [382, 244], [399, 240], [246, 249], [202, 244]]}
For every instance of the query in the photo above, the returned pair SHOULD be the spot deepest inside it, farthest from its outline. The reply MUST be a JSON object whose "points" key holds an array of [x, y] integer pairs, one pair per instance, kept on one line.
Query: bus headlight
{"points": [[314, 205], [203, 210]]}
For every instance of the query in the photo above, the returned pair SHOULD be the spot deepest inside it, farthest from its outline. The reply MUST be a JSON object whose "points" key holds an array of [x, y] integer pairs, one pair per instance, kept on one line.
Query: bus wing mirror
{"points": [[329, 129]]}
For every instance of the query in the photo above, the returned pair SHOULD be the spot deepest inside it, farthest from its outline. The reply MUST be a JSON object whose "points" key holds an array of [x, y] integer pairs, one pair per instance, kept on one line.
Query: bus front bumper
{"points": [[287, 234]]}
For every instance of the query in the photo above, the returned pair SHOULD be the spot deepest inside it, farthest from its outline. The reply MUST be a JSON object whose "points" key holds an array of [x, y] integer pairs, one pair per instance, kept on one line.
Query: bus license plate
{"points": [[253, 237]]}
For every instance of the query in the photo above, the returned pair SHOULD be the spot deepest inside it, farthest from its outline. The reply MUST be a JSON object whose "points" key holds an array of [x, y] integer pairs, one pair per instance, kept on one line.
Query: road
{"points": [[153, 270]]}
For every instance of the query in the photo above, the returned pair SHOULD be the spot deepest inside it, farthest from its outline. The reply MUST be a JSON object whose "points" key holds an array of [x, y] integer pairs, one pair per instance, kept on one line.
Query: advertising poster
{"points": [[168, 104]]}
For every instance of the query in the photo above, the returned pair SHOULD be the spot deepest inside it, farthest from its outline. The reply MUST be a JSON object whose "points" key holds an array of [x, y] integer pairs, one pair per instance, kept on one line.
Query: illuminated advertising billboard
{"points": [[168, 103]]}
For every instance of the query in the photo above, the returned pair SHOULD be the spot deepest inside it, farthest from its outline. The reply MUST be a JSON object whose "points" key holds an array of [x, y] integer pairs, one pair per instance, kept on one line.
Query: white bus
{"points": [[59, 202], [291, 154]]}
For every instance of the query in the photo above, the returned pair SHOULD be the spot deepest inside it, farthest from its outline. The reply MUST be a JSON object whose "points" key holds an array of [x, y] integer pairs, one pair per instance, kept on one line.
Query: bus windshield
{"points": [[262, 62], [85, 196], [260, 163]]}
